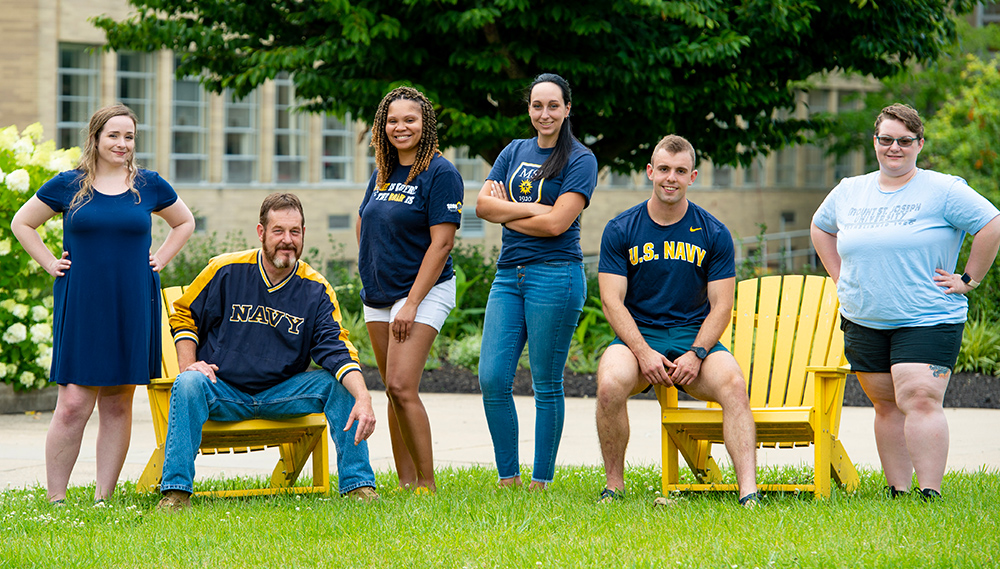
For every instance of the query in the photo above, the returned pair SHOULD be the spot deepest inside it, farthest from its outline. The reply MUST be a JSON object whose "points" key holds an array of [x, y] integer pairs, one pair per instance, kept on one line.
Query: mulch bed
{"points": [[965, 390]]}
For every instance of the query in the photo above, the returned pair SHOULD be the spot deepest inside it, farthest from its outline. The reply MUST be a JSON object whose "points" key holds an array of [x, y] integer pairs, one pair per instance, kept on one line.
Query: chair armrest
{"points": [[835, 370]]}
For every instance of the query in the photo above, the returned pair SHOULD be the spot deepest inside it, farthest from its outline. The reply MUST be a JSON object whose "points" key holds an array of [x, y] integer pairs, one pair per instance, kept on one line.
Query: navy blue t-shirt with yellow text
{"points": [[395, 228], [515, 167], [668, 267]]}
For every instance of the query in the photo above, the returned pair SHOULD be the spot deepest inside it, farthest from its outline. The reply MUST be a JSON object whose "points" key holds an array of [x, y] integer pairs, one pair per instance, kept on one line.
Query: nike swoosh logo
{"points": [[693, 229]]}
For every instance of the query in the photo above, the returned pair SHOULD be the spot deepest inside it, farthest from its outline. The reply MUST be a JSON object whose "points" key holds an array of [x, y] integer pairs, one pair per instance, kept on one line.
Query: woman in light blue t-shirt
{"points": [[537, 189], [891, 240]]}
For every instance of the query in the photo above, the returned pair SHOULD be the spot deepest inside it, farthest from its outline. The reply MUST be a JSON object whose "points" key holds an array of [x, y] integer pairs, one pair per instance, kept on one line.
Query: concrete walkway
{"points": [[461, 438]]}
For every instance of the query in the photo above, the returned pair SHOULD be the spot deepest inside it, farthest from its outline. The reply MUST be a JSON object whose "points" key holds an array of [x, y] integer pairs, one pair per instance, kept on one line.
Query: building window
{"points": [[472, 226], [240, 133], [369, 155], [188, 157], [136, 89], [289, 133], [816, 165], [338, 222], [470, 167], [753, 175], [200, 224], [784, 166], [338, 152], [722, 176], [78, 93]]}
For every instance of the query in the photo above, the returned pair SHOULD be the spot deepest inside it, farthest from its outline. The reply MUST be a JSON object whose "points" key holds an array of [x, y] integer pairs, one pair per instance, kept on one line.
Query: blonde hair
{"points": [[386, 156], [88, 159], [675, 144]]}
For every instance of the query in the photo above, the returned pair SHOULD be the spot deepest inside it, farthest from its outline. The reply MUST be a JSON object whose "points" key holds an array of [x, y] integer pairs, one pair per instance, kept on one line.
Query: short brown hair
{"points": [[903, 113], [279, 201], [675, 144]]}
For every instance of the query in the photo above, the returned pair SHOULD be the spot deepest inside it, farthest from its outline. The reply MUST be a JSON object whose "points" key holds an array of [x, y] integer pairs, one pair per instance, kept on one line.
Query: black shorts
{"points": [[876, 351]]}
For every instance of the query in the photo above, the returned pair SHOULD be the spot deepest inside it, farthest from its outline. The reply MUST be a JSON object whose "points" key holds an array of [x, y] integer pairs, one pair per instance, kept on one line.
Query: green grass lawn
{"points": [[471, 523]]}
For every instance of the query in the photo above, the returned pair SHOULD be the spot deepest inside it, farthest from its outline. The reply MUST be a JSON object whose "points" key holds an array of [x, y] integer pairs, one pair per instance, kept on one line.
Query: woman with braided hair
{"points": [[406, 230], [537, 189]]}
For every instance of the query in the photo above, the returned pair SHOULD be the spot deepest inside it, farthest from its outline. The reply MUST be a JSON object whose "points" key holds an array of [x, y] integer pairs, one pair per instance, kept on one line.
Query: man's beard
{"points": [[279, 262]]}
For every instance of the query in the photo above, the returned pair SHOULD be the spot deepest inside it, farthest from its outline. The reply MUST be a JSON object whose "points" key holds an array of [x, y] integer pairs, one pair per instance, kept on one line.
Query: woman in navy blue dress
{"points": [[107, 311]]}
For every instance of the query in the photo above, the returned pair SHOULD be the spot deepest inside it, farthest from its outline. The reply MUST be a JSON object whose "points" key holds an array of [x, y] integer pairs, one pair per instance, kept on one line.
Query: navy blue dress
{"points": [[106, 321]]}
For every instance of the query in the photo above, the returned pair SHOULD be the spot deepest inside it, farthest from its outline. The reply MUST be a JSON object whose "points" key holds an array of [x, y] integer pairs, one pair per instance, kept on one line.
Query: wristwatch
{"points": [[702, 353], [968, 280]]}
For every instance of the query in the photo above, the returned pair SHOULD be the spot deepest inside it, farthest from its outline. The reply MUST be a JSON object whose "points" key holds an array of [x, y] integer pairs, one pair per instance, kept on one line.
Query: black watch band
{"points": [[702, 353]]}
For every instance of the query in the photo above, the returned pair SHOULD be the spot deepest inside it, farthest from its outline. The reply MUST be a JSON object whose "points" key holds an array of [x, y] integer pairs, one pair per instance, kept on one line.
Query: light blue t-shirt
{"points": [[890, 243]]}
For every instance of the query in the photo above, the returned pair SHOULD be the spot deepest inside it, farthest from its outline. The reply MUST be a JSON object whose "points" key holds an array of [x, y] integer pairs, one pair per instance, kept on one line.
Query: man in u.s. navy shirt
{"points": [[668, 276], [246, 331]]}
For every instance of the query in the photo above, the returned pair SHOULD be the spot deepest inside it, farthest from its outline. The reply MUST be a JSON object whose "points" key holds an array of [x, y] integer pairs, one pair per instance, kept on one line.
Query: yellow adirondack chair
{"points": [[298, 438], [786, 336]]}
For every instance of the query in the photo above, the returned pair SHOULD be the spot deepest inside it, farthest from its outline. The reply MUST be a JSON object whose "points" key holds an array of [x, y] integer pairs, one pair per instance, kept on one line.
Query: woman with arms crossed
{"points": [[406, 230], [890, 240], [106, 330], [537, 189]]}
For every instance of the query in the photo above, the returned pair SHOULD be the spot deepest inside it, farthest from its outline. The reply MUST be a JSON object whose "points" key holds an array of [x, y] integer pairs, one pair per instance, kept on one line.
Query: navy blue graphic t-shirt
{"points": [[668, 267], [515, 167], [395, 228]]}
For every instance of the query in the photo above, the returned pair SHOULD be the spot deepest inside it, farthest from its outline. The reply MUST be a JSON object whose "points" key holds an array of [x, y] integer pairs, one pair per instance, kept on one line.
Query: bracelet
{"points": [[968, 280]]}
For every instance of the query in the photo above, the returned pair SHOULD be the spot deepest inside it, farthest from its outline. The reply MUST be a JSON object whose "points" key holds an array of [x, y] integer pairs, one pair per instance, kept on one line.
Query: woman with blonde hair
{"points": [[106, 329], [406, 230]]}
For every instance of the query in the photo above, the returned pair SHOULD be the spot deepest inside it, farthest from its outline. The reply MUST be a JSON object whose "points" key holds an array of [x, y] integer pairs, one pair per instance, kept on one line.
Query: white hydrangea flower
{"points": [[40, 333], [39, 313], [8, 304], [60, 163], [4, 247], [1, 175], [21, 294], [20, 310], [54, 224], [43, 153], [23, 150], [19, 180], [8, 137], [48, 302], [44, 361], [27, 379], [3, 370], [16, 334], [33, 131]]}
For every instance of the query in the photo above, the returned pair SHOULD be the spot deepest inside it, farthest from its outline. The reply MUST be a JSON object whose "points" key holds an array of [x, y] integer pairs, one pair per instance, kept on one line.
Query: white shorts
{"points": [[433, 310]]}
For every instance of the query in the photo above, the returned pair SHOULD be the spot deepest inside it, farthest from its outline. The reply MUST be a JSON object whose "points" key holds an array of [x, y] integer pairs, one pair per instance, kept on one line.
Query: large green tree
{"points": [[714, 71]]}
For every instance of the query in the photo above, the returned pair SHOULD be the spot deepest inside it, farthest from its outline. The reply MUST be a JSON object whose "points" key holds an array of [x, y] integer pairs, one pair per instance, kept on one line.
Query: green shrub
{"points": [[195, 255], [25, 288], [464, 352], [980, 348]]}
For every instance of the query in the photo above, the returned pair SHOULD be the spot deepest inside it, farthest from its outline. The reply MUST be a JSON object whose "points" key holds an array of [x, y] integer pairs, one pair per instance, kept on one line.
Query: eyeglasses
{"points": [[903, 141]]}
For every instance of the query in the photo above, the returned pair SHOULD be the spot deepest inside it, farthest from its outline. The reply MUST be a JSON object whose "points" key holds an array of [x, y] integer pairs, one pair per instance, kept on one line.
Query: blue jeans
{"points": [[540, 304], [194, 399]]}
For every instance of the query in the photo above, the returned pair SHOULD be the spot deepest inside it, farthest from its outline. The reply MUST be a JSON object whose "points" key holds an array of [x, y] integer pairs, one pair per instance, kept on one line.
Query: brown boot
{"points": [[174, 501], [363, 494]]}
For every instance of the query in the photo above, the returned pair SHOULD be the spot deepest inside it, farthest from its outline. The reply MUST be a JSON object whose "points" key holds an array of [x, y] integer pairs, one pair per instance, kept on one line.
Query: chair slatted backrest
{"points": [[170, 294], [781, 324]]}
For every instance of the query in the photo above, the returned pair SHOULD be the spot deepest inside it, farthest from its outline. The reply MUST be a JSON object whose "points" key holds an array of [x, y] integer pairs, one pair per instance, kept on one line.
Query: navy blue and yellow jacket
{"points": [[259, 333]]}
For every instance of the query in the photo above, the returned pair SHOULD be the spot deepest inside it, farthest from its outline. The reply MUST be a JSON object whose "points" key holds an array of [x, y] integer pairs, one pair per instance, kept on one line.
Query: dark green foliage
{"points": [[714, 71]]}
